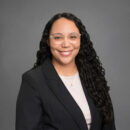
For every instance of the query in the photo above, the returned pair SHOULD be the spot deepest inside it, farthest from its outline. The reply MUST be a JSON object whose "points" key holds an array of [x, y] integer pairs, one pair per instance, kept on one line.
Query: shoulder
{"points": [[34, 75], [38, 74], [38, 71], [32, 72]]}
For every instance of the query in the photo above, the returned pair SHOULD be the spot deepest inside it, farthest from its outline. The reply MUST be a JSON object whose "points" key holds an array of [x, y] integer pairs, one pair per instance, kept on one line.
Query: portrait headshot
{"points": [[66, 88], [65, 65]]}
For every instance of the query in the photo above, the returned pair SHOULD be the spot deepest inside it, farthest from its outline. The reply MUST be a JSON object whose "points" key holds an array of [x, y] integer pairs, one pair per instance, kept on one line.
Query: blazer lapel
{"points": [[92, 109], [60, 91]]}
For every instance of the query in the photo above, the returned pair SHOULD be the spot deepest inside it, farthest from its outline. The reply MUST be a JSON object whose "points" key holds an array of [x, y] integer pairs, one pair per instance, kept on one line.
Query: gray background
{"points": [[21, 26]]}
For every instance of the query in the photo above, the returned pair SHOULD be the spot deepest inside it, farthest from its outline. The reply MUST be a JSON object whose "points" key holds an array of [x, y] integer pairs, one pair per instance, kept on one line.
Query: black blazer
{"points": [[44, 103]]}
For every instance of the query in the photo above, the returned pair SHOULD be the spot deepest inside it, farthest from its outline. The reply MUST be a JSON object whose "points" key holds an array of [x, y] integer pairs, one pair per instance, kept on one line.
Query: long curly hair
{"points": [[91, 72]]}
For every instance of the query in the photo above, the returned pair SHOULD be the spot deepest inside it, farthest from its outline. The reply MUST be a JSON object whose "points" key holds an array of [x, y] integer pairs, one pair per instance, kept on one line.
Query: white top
{"points": [[73, 84]]}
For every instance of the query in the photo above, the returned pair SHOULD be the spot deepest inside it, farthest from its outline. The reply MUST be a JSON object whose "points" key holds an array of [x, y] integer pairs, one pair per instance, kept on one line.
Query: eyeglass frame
{"points": [[63, 36]]}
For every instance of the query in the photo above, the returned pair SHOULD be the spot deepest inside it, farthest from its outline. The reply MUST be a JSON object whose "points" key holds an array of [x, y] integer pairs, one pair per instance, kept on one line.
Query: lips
{"points": [[65, 53]]}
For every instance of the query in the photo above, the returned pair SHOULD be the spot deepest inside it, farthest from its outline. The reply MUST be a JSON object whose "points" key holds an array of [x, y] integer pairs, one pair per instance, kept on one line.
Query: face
{"points": [[64, 41]]}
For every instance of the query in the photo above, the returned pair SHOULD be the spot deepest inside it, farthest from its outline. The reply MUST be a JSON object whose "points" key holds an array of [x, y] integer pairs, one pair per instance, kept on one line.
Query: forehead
{"points": [[64, 25]]}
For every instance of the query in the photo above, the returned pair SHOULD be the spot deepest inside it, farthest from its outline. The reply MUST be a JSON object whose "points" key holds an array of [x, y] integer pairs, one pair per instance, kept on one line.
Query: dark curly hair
{"points": [[91, 72]]}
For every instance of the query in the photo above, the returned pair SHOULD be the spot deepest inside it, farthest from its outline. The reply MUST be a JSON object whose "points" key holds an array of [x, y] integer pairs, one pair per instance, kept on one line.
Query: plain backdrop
{"points": [[21, 26]]}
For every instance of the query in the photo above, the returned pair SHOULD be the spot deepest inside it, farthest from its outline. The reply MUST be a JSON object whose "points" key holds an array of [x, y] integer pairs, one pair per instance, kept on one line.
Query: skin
{"points": [[63, 55]]}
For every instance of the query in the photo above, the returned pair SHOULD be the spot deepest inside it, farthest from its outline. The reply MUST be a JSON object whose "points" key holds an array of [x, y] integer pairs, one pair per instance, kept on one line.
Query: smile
{"points": [[65, 53]]}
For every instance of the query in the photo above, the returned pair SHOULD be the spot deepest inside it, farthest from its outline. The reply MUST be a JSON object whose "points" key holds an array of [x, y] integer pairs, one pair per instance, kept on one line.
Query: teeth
{"points": [[65, 53]]}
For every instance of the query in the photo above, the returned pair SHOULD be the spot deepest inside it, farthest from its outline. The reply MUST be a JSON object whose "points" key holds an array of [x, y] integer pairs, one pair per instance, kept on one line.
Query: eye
{"points": [[57, 37], [73, 37]]}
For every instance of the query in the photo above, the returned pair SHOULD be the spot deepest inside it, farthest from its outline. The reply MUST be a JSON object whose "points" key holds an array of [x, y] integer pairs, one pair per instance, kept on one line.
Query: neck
{"points": [[65, 70]]}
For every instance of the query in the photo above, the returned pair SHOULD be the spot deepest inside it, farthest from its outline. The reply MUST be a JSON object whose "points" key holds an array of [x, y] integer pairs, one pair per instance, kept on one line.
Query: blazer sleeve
{"points": [[28, 108]]}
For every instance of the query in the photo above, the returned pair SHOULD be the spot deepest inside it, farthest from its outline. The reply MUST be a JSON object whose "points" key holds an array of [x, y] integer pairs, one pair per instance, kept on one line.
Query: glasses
{"points": [[59, 38]]}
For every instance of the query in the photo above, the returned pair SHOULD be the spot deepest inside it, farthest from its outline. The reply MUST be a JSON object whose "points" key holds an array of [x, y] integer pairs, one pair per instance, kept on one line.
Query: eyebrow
{"points": [[62, 33], [56, 34]]}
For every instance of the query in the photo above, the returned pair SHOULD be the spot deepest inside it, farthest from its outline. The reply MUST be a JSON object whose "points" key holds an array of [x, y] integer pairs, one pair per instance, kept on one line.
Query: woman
{"points": [[66, 89]]}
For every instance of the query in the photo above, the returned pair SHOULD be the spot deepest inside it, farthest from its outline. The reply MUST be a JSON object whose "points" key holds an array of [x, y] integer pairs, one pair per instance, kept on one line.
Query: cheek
{"points": [[76, 49], [77, 46], [53, 47], [54, 51]]}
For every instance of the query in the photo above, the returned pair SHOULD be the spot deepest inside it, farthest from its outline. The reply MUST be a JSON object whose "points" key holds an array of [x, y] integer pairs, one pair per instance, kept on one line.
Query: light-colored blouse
{"points": [[73, 84]]}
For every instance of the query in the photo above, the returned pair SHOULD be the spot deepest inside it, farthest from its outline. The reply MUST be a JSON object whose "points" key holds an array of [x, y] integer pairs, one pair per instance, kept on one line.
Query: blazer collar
{"points": [[60, 91]]}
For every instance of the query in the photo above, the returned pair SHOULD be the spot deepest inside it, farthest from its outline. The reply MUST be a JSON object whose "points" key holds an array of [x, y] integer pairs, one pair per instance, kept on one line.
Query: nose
{"points": [[65, 43]]}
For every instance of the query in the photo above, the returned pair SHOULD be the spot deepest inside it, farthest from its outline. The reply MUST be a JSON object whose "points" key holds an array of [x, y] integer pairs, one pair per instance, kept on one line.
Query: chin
{"points": [[66, 61]]}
